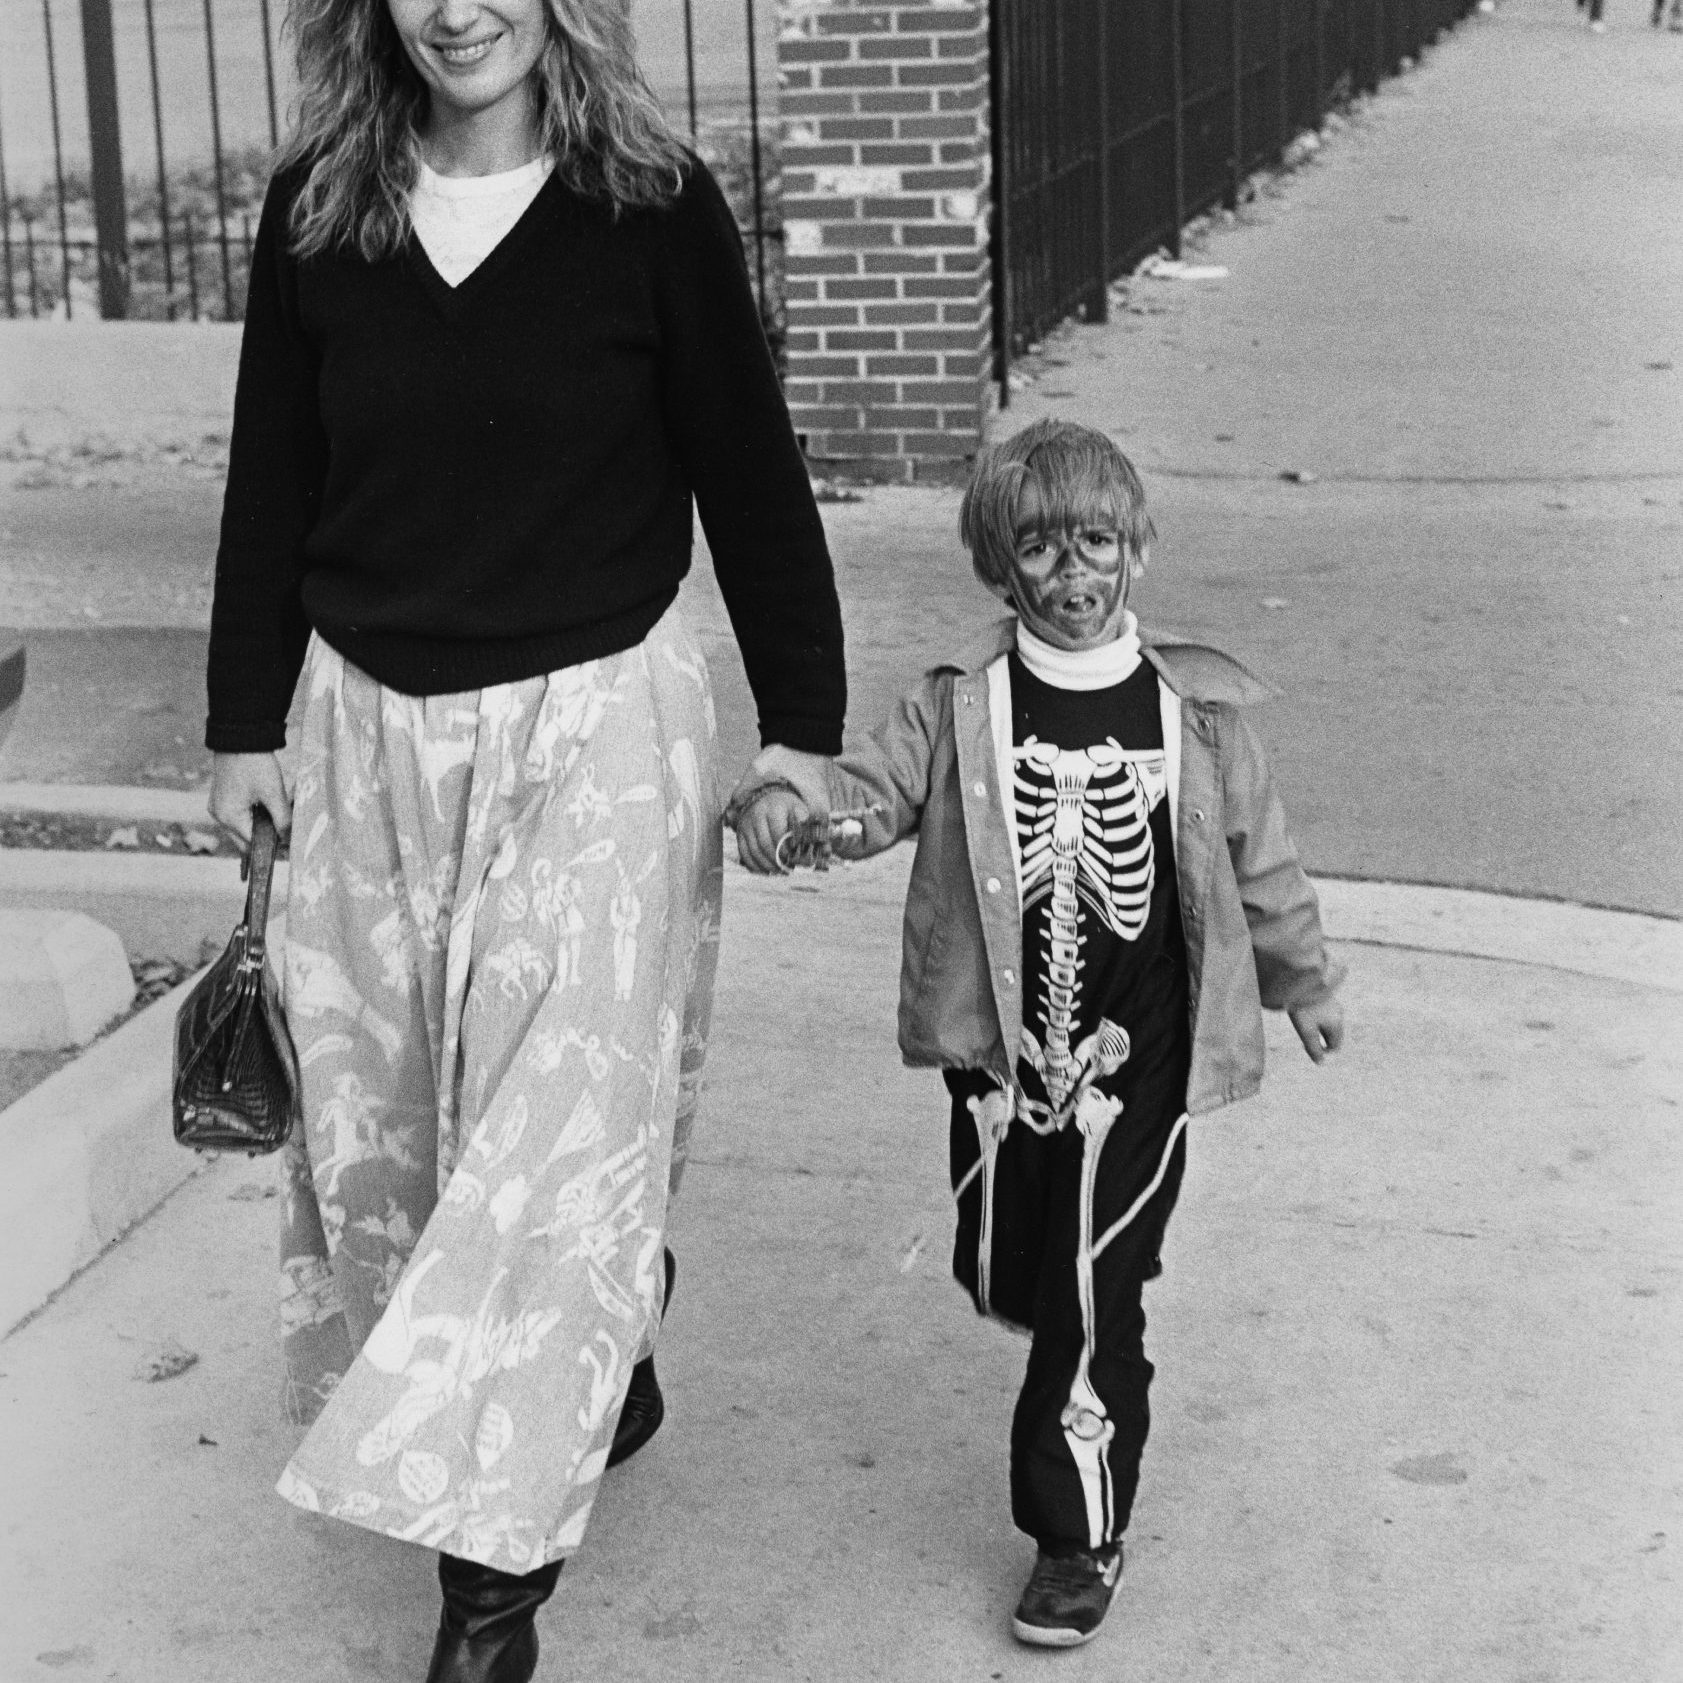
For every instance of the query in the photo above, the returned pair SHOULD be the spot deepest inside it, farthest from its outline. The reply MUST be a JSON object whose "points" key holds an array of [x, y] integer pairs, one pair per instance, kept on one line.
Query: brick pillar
{"points": [[885, 213]]}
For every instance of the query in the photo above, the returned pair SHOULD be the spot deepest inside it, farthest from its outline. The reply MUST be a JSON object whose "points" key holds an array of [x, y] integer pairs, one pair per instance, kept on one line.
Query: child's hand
{"points": [[1319, 1026], [770, 816]]}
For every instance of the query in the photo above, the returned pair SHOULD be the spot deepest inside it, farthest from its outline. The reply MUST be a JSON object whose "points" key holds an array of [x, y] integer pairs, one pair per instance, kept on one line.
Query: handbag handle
{"points": [[258, 868]]}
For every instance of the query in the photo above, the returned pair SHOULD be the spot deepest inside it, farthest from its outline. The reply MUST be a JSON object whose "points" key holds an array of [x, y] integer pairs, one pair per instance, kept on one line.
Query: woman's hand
{"points": [[1319, 1026], [807, 774], [241, 781], [770, 816]]}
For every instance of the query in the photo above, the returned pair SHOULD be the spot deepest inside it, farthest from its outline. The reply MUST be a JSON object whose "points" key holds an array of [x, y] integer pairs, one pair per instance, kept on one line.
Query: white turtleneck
{"points": [[1082, 669], [461, 219]]}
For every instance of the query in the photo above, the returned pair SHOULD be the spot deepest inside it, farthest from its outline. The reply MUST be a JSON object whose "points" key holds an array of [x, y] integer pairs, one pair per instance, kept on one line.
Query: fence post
{"points": [[758, 170], [1177, 75], [1320, 59], [1100, 311], [6, 231], [1000, 232], [163, 172], [1236, 166], [269, 71], [885, 177], [29, 258], [1282, 79], [105, 150], [689, 63], [58, 159], [216, 166]]}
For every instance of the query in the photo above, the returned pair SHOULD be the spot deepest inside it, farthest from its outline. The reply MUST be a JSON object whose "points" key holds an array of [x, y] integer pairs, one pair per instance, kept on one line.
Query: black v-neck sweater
{"points": [[465, 486]]}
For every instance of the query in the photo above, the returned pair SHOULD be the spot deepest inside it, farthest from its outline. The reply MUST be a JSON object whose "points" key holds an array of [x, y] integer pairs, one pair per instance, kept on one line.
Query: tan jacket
{"points": [[940, 766]]}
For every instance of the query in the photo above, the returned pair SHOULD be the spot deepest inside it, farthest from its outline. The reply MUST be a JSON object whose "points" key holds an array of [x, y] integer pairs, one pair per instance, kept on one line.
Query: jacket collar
{"points": [[1194, 671]]}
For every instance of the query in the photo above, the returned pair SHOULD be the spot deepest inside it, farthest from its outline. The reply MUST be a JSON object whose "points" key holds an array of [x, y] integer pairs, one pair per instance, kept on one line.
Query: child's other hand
{"points": [[769, 818], [1319, 1026]]}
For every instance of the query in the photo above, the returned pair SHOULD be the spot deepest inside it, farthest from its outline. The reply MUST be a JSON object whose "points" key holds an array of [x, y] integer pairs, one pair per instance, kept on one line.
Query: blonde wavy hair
{"points": [[362, 102]]}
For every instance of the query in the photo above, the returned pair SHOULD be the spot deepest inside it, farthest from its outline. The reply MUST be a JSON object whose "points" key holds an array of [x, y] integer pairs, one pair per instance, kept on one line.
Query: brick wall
{"points": [[885, 192]]}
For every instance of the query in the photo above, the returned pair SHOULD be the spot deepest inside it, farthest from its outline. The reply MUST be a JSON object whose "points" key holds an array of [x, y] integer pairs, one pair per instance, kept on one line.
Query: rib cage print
{"points": [[1084, 825]]}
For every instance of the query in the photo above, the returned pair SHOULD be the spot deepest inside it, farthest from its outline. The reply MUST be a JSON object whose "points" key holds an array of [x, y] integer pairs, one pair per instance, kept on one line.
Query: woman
{"points": [[499, 334]]}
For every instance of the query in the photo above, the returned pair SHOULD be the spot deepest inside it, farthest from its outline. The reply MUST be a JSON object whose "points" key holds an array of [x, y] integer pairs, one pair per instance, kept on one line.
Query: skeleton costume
{"points": [[1103, 900], [1065, 1180]]}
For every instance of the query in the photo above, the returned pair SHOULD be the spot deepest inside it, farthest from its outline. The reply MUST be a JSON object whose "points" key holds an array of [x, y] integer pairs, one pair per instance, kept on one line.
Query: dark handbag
{"points": [[236, 1082]]}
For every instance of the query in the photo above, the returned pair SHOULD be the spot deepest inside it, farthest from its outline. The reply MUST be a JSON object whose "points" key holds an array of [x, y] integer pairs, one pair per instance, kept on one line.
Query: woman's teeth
{"points": [[457, 57]]}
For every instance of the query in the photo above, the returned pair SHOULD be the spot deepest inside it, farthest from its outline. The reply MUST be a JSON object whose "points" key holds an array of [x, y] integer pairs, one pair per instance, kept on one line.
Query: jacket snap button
{"points": [[1197, 815], [981, 788], [1010, 977], [993, 885]]}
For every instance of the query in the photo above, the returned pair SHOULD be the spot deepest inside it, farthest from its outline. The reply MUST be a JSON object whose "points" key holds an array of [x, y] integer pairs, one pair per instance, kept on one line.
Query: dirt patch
{"points": [[77, 833], [19, 1071]]}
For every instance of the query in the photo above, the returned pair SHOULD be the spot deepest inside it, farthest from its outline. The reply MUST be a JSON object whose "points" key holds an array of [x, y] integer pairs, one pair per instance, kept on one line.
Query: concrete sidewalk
{"points": [[1420, 1341]]}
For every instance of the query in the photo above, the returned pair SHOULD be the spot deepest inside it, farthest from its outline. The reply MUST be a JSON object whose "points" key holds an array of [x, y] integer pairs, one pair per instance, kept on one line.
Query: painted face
{"points": [[474, 55], [1071, 586]]}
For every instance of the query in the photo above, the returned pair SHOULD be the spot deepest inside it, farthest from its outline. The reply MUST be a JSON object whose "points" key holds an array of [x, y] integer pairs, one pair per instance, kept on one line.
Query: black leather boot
{"points": [[645, 1407], [486, 1634]]}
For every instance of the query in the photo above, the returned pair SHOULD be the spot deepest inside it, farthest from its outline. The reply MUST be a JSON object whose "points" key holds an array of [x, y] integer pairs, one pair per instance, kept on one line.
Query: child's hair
{"points": [[1081, 476]]}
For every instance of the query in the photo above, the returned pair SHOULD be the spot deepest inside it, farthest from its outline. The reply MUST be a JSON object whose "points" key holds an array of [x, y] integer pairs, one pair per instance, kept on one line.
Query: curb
{"points": [[162, 905], [1632, 947], [108, 800], [87, 1154]]}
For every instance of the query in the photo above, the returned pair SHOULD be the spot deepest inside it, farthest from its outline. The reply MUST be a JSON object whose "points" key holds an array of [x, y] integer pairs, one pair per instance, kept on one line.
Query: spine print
{"points": [[1061, 938]]}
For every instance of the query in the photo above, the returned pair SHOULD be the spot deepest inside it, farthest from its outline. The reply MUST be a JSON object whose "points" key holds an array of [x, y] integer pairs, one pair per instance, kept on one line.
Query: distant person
{"points": [[1104, 897], [1676, 15], [500, 340], [1592, 9]]}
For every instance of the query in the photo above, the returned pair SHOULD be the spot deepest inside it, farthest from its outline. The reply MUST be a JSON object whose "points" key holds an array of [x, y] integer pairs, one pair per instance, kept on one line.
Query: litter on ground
{"points": [[1173, 268]]}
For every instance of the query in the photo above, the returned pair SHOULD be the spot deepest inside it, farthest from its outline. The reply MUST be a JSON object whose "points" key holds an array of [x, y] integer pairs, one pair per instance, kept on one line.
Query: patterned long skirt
{"points": [[501, 942]]}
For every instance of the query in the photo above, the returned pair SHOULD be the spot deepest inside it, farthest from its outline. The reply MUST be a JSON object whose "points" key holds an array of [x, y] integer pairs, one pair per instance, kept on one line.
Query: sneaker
{"points": [[1067, 1597]]}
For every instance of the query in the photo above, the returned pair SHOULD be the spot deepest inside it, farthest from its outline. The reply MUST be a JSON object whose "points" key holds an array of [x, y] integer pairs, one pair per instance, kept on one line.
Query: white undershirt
{"points": [[461, 219], [1082, 669]]}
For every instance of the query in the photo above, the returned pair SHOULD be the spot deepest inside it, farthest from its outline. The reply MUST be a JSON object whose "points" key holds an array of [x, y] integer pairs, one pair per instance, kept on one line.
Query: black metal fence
{"points": [[1115, 123], [193, 92]]}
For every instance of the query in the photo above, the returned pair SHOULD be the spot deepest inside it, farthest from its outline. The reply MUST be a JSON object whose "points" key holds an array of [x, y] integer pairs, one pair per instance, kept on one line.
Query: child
{"points": [[1103, 898]]}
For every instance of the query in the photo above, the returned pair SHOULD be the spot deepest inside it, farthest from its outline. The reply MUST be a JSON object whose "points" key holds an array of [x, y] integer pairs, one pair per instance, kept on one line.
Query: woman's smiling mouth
{"points": [[461, 55]]}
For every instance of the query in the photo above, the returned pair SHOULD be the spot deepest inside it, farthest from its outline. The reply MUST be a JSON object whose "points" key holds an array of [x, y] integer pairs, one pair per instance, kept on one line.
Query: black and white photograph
{"points": [[841, 841]]}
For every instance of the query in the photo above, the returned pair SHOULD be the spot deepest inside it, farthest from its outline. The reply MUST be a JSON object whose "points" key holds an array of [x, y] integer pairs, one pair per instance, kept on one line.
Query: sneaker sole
{"points": [[1051, 1636]]}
